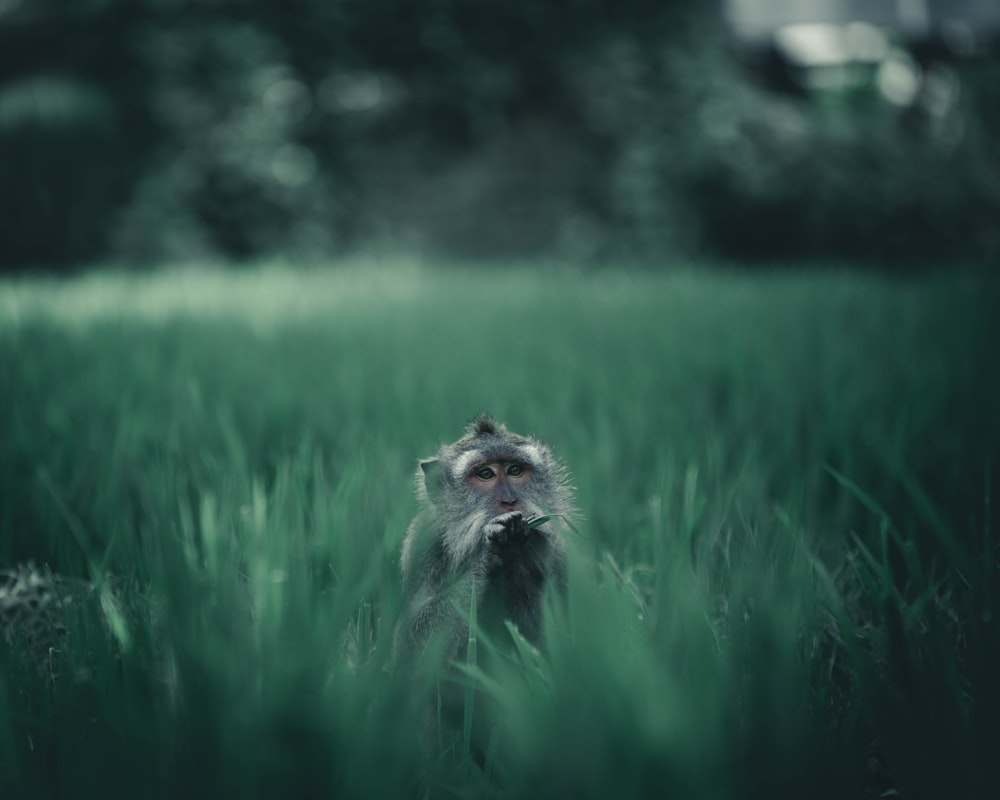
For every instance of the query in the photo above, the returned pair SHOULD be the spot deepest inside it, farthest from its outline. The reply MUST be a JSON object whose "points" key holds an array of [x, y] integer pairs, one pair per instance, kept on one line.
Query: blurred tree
{"points": [[74, 130], [151, 129]]}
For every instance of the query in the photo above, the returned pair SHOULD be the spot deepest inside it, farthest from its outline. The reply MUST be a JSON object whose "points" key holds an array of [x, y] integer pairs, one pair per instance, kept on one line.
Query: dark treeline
{"points": [[143, 130]]}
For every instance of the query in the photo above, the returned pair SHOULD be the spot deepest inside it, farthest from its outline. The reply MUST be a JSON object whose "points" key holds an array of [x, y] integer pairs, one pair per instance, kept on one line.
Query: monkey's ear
{"points": [[433, 477]]}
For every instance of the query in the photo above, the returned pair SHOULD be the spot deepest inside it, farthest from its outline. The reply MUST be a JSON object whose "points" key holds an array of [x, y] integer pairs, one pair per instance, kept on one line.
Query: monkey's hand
{"points": [[507, 533]]}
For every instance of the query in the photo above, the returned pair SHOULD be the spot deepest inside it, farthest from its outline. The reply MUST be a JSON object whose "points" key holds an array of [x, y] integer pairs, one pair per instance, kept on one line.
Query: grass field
{"points": [[785, 581]]}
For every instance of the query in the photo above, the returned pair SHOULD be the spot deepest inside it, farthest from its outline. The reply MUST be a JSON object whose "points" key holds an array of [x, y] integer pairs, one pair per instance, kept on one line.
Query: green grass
{"points": [[784, 582]]}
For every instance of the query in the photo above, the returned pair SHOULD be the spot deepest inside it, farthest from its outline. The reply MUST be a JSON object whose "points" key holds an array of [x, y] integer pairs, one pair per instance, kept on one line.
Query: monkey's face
{"points": [[501, 484], [488, 478]]}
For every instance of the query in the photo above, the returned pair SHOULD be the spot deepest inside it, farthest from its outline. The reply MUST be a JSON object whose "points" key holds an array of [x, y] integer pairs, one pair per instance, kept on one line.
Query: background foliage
{"points": [[586, 129]]}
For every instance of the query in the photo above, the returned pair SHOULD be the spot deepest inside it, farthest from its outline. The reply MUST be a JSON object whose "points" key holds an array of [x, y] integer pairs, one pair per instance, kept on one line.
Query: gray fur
{"points": [[454, 546]]}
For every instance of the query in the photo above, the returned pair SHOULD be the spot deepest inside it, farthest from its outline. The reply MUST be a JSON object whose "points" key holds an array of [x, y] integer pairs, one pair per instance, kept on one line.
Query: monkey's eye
{"points": [[485, 473], [515, 470]]}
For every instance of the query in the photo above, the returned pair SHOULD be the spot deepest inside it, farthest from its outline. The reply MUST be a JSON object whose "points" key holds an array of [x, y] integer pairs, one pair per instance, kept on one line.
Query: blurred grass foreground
{"points": [[785, 582]]}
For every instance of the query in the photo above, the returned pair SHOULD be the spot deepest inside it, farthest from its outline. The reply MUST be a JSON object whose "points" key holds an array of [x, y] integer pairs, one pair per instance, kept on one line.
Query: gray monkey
{"points": [[471, 535]]}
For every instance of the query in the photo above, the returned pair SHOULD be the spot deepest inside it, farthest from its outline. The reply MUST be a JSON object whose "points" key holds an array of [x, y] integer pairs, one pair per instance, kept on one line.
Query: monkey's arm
{"points": [[522, 564], [438, 599]]}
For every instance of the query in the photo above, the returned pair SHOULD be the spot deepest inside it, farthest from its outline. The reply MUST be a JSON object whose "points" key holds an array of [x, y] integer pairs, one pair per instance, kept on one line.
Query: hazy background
{"points": [[148, 130]]}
